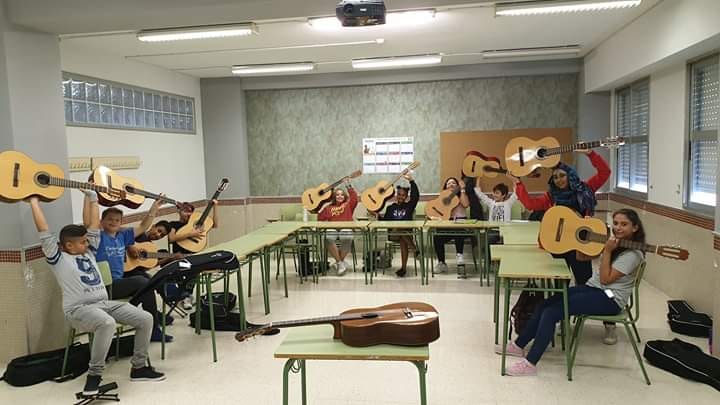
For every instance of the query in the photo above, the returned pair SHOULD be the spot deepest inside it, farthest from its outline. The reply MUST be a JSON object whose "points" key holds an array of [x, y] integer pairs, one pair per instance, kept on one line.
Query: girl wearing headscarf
{"points": [[566, 189]]}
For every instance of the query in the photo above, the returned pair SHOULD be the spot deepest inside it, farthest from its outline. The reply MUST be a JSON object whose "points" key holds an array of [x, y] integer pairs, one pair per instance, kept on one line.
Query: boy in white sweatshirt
{"points": [[500, 205]]}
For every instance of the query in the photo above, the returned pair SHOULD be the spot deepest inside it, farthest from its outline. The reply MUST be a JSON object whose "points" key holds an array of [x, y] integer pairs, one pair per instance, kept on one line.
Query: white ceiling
{"points": [[461, 30]]}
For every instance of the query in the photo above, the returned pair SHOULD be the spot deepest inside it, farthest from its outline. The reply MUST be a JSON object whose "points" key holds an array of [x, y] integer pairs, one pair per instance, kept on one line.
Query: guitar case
{"points": [[189, 268], [685, 320], [685, 360]]}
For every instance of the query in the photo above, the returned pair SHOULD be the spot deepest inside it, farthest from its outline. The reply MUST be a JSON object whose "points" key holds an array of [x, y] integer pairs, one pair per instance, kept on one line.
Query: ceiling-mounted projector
{"points": [[358, 13]]}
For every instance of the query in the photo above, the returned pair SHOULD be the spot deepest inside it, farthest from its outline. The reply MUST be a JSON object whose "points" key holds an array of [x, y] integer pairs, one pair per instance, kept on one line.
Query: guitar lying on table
{"points": [[563, 230], [403, 323], [21, 177], [523, 155], [148, 256], [134, 195], [314, 198], [476, 164], [375, 197], [200, 222]]}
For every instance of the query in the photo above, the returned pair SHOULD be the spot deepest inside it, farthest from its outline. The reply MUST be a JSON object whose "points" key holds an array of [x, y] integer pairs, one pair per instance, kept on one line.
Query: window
{"points": [[633, 118], [704, 107], [99, 103]]}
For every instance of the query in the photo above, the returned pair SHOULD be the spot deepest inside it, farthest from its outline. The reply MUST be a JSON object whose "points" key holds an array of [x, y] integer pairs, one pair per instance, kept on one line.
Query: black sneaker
{"points": [[401, 273], [91, 385], [146, 374]]}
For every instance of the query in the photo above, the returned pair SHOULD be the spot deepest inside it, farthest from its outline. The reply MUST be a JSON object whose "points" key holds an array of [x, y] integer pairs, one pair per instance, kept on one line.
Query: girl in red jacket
{"points": [[566, 189], [341, 208]]}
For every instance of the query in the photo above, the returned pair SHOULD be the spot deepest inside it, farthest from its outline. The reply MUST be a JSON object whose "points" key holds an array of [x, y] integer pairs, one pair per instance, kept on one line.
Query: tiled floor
{"points": [[463, 369]]}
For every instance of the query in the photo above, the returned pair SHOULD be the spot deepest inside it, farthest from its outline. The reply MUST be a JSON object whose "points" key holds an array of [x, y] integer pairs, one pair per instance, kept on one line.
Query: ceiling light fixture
{"points": [[393, 19], [202, 32], [552, 7], [273, 68], [520, 52], [396, 61]]}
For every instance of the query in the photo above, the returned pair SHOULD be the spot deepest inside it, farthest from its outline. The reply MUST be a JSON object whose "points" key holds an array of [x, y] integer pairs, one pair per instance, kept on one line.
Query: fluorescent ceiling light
{"points": [[551, 7], [396, 61], [203, 32], [545, 51], [394, 19], [273, 68]]}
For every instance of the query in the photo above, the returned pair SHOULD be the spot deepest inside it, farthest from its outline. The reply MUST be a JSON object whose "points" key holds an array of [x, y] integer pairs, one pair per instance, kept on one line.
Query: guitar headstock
{"points": [[612, 142], [673, 252], [224, 183], [251, 333], [356, 173]]}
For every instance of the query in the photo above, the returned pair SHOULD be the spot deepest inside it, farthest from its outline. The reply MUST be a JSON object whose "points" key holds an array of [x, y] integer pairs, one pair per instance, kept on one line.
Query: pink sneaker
{"points": [[521, 368], [511, 350]]}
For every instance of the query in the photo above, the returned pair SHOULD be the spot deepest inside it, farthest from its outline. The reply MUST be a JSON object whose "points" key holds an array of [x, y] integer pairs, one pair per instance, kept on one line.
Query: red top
{"points": [[340, 212], [544, 201]]}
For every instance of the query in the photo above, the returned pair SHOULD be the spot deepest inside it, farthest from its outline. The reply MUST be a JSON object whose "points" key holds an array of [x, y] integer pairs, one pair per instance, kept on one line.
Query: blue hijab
{"points": [[577, 195]]}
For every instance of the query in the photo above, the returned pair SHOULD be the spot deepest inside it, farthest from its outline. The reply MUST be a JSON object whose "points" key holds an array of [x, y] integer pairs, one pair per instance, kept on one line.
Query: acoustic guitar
{"points": [[523, 155], [134, 195], [375, 197], [476, 164], [314, 198], [148, 256], [21, 177], [443, 206], [202, 222], [403, 323], [563, 230]]}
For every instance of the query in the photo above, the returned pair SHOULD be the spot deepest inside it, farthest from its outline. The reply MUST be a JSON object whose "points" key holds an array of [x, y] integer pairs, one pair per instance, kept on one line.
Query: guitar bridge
{"points": [[16, 175], [407, 312], [522, 156], [559, 232]]}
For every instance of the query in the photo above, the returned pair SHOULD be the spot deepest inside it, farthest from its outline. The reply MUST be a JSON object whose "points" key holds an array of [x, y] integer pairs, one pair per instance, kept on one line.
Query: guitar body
{"points": [[375, 197], [561, 231], [21, 177], [393, 327], [523, 155], [442, 206], [105, 177], [314, 198], [475, 163], [143, 260], [198, 243]]}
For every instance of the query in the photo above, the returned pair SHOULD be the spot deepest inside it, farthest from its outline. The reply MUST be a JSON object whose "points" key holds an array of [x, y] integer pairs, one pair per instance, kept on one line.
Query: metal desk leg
{"points": [[286, 371], [282, 253], [496, 306], [367, 254], [265, 260], [303, 381], [505, 325], [250, 261], [294, 365], [422, 371], [208, 290], [162, 342], [371, 267], [566, 322], [241, 300], [198, 287]]}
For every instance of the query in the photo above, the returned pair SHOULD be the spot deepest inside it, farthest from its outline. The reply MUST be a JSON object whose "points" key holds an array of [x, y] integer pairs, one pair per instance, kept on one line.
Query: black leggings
{"points": [[127, 287]]}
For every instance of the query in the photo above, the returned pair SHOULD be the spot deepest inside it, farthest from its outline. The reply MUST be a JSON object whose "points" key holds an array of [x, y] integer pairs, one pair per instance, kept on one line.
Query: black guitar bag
{"points": [[685, 320], [685, 360]]}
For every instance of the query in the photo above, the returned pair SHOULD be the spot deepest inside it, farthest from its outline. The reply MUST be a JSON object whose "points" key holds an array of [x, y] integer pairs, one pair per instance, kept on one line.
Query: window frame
{"points": [[616, 188], [702, 209], [124, 86]]}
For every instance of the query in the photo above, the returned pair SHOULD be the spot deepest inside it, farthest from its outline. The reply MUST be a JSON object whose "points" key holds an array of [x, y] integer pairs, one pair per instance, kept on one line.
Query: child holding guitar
{"points": [[566, 188], [340, 208], [402, 210], [606, 293], [459, 212]]}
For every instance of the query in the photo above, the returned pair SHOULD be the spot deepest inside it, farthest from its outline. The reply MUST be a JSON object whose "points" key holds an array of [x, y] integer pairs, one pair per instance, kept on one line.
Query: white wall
{"points": [[172, 163], [668, 34]]}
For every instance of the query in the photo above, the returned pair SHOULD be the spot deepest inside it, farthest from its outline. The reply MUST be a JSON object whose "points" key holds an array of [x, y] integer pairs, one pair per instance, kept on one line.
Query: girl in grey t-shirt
{"points": [[606, 293]]}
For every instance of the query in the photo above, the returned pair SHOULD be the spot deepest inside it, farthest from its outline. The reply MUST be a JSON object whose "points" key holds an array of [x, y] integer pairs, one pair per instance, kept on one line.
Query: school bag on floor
{"points": [[524, 308]]}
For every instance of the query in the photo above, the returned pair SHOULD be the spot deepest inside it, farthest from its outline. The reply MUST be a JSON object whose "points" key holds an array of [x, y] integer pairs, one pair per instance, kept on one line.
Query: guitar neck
{"points": [[500, 170], [570, 148], [332, 186], [624, 243], [157, 255], [206, 212], [54, 181], [314, 321], [148, 194]]}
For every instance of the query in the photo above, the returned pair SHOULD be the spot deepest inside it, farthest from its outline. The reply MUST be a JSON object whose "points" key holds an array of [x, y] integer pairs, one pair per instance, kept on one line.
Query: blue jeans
{"points": [[582, 300]]}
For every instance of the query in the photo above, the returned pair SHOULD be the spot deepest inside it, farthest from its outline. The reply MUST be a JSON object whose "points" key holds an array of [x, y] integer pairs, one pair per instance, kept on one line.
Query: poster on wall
{"points": [[387, 155]]}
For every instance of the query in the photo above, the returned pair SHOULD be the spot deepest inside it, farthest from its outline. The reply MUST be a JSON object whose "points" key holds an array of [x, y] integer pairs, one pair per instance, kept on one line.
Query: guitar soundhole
{"points": [[143, 255], [541, 153], [42, 179], [582, 235]]}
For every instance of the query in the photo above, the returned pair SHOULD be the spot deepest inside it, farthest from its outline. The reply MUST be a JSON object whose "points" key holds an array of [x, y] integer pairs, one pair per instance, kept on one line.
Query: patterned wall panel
{"points": [[302, 137]]}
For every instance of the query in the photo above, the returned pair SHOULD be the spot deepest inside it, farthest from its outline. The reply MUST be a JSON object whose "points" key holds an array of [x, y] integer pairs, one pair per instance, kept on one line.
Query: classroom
{"points": [[356, 202]]}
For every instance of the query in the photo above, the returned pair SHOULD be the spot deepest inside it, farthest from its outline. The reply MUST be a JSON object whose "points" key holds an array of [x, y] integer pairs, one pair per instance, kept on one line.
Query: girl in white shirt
{"points": [[500, 205]]}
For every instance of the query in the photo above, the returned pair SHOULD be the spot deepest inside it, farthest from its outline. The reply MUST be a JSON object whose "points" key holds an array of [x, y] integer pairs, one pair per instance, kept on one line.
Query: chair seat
{"points": [[621, 317]]}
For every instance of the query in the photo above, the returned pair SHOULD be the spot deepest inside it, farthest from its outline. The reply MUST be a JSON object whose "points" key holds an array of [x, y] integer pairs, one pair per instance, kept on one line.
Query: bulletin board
{"points": [[455, 145]]}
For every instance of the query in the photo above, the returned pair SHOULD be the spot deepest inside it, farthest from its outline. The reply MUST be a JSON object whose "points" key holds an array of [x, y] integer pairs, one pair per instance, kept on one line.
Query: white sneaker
{"points": [[341, 268], [440, 268], [187, 303], [460, 261], [346, 264], [610, 335]]}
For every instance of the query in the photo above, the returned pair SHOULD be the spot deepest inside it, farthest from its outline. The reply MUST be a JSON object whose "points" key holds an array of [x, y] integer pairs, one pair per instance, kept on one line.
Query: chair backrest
{"points": [[634, 303], [291, 212], [516, 210], [420, 210], [105, 273]]}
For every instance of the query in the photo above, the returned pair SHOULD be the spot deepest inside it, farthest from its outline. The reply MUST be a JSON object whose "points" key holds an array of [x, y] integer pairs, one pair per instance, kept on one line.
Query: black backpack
{"points": [[524, 308], [36, 368], [683, 319]]}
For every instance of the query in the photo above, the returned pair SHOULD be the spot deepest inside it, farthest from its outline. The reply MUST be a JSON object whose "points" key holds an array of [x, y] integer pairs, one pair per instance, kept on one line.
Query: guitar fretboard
{"points": [[570, 148], [54, 181], [315, 321], [133, 190], [624, 243]]}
